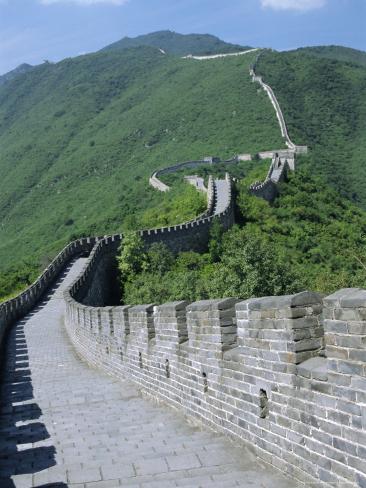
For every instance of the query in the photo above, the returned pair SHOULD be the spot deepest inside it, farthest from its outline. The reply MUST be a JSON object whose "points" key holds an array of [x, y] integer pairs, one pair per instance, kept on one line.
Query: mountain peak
{"points": [[179, 44], [19, 70]]}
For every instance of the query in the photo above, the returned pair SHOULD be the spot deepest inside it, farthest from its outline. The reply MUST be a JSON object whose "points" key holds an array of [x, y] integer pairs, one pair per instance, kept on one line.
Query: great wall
{"points": [[284, 377]]}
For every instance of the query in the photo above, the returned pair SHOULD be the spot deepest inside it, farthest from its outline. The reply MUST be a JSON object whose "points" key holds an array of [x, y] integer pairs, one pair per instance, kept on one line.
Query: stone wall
{"points": [[269, 372], [278, 110], [194, 235], [156, 183], [264, 189], [268, 189], [98, 284], [16, 308], [216, 56]]}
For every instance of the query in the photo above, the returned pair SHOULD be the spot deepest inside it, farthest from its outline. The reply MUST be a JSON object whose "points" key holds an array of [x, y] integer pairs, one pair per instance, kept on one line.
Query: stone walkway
{"points": [[222, 195], [64, 424]]}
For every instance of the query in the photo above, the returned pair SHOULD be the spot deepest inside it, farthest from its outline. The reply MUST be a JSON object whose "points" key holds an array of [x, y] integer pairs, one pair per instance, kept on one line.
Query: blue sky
{"points": [[34, 30]]}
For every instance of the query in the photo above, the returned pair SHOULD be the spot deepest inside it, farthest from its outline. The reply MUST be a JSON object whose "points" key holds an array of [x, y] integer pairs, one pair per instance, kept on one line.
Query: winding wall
{"points": [[286, 374], [278, 110], [183, 237], [216, 56], [156, 183], [95, 286], [267, 189]]}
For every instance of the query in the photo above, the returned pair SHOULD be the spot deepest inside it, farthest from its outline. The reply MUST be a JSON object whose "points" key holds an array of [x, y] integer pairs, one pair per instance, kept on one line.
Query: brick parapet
{"points": [[255, 370], [93, 286], [17, 307], [92, 290]]}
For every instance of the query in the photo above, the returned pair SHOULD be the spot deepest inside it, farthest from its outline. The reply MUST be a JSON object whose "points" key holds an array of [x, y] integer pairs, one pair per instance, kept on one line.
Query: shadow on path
{"points": [[25, 446]]}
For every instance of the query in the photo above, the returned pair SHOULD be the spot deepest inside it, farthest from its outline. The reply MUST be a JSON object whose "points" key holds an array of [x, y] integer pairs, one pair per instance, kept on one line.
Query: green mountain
{"points": [[79, 139], [179, 44], [324, 103], [20, 70], [338, 53]]}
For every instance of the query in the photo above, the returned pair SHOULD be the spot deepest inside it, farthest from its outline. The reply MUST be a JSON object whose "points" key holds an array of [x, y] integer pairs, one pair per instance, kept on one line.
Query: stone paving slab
{"points": [[64, 424]]}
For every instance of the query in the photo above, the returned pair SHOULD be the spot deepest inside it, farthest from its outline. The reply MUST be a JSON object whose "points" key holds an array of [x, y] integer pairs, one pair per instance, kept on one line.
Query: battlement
{"points": [[286, 375], [268, 189], [94, 285], [17, 307], [268, 371]]}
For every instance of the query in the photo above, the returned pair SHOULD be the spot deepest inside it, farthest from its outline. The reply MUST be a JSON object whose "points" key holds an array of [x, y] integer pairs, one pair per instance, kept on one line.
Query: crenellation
{"points": [[121, 324], [141, 321], [171, 325]]}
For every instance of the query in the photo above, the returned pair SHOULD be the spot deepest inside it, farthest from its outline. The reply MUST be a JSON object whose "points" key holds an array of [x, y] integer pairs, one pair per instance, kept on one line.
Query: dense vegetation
{"points": [[311, 238], [339, 53], [179, 44], [324, 103], [181, 204], [79, 139]]}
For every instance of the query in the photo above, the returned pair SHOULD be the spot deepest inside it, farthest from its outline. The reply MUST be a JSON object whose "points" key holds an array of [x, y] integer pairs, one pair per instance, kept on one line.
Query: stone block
{"points": [[334, 300]]}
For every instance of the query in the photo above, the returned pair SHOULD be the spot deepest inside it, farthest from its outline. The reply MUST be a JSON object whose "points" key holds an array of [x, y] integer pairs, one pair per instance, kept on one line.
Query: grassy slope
{"points": [[324, 102], [79, 139], [180, 44]]}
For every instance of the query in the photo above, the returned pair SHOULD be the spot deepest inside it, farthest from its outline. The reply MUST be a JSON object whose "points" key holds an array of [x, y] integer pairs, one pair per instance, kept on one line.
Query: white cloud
{"points": [[85, 2], [299, 5]]}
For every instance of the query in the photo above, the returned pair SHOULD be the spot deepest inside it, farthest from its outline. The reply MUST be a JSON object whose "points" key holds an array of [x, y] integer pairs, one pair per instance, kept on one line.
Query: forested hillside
{"points": [[79, 139], [338, 53], [324, 103], [311, 238]]}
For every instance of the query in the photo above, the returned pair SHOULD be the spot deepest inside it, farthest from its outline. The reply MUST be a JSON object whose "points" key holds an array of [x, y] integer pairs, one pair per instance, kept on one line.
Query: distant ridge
{"points": [[21, 69], [179, 44], [338, 53]]}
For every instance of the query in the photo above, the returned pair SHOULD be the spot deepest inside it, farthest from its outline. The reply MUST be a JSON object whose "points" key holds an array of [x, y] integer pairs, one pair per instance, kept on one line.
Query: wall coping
{"points": [[347, 298], [207, 305], [303, 298]]}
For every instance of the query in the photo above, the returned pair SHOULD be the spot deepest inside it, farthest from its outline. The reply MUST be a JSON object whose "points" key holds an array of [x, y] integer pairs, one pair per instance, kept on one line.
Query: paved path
{"points": [[64, 424], [222, 195], [216, 56], [197, 181]]}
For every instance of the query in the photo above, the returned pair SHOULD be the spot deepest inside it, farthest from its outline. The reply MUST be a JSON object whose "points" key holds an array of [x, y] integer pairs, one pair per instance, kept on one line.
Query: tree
{"points": [[215, 244], [159, 258], [132, 258], [250, 267]]}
